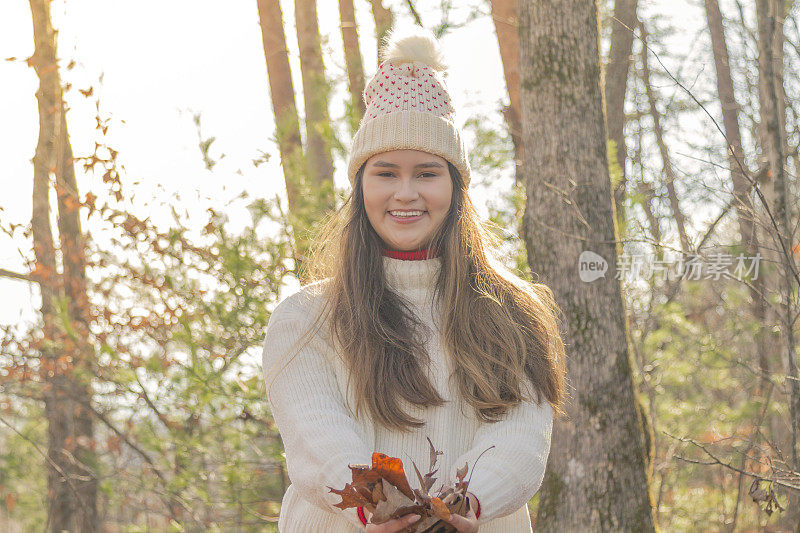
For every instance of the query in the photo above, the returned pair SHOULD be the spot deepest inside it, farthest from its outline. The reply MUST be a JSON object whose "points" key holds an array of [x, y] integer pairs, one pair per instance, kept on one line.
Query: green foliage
{"points": [[698, 375], [23, 481], [493, 156], [181, 316]]}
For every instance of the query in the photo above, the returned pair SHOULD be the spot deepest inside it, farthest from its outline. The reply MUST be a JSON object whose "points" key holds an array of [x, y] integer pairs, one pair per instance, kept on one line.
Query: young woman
{"points": [[412, 329]]}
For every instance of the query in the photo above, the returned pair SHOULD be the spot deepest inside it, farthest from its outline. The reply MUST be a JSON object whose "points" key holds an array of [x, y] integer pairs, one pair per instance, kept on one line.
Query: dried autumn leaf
{"points": [[364, 474], [425, 482], [434, 454], [391, 469], [366, 492], [383, 489], [377, 493], [440, 509], [350, 497], [11, 501], [460, 504], [461, 473], [764, 495], [384, 510]]}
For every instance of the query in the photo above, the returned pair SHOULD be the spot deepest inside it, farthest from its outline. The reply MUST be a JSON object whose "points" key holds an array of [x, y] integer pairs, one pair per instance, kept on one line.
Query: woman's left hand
{"points": [[465, 524]]}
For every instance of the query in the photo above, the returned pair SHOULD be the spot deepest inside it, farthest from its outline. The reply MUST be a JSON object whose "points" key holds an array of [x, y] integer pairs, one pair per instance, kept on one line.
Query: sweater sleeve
{"points": [[507, 476], [319, 436]]}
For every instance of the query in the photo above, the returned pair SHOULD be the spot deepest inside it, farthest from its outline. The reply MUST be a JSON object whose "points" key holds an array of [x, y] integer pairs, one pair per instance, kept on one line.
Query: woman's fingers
{"points": [[407, 520], [392, 526], [464, 524]]}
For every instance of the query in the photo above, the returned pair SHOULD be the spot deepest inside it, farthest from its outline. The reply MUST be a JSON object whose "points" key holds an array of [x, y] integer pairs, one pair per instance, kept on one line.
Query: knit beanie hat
{"points": [[407, 105]]}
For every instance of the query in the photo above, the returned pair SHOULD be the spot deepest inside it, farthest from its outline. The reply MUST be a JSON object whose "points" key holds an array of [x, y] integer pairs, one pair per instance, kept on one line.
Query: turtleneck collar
{"points": [[405, 275], [416, 255]]}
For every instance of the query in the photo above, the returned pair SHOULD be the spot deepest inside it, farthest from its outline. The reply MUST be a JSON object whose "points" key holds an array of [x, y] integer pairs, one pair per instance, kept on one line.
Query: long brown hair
{"points": [[497, 329]]}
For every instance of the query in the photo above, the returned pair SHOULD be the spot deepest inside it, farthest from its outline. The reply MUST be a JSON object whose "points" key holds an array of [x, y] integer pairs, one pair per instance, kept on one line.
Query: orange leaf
{"points": [[440, 509], [11, 501], [391, 469]]}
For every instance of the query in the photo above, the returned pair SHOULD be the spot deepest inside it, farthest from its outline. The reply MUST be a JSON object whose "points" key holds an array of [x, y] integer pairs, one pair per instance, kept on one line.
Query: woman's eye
{"points": [[424, 174]]}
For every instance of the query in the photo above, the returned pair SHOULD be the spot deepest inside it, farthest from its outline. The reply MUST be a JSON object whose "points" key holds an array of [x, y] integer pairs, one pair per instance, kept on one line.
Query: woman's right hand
{"points": [[392, 526]]}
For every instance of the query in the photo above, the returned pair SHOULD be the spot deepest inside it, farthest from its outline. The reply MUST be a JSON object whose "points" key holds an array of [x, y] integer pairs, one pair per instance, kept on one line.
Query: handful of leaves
{"points": [[383, 489]]}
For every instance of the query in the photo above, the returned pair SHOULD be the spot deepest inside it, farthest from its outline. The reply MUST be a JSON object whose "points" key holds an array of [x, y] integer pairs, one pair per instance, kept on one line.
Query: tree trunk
{"points": [[384, 19], [745, 208], [319, 133], [67, 364], [770, 107], [302, 210], [73, 258], [658, 131], [645, 189], [281, 91], [742, 188], [616, 85], [597, 477], [778, 38], [355, 67], [506, 25]]}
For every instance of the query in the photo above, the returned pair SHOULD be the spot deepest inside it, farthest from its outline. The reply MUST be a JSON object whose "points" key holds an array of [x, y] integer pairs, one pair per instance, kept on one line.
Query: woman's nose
{"points": [[407, 190]]}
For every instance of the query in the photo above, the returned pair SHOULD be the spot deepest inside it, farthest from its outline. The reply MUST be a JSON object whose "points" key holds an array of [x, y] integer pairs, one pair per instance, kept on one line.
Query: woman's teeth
{"points": [[406, 213]]}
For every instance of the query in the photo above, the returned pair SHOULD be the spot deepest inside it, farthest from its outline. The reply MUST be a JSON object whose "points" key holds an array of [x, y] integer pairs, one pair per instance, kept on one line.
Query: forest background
{"points": [[161, 177]]}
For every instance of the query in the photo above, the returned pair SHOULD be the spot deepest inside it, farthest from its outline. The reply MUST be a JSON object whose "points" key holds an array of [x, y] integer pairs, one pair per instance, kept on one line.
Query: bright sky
{"points": [[160, 63]]}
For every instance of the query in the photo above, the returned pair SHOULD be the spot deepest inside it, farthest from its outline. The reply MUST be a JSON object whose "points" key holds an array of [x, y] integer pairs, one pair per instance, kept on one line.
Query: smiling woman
{"points": [[407, 194], [412, 332]]}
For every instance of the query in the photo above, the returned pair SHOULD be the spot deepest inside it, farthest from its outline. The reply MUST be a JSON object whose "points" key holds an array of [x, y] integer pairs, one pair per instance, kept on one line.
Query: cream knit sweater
{"points": [[321, 435]]}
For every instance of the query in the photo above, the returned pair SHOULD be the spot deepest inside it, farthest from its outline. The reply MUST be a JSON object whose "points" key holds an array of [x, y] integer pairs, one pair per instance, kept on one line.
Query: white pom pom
{"points": [[416, 44]]}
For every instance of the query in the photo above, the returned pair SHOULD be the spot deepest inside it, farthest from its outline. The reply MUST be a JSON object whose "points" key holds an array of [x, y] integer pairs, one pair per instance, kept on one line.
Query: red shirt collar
{"points": [[411, 256]]}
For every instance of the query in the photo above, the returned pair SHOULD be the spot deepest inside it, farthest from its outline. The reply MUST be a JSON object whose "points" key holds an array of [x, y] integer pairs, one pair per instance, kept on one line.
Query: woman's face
{"points": [[400, 183]]}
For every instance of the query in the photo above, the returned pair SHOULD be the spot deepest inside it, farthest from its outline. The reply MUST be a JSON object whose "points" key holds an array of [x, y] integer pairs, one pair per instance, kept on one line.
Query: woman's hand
{"points": [[463, 524], [398, 524], [469, 523]]}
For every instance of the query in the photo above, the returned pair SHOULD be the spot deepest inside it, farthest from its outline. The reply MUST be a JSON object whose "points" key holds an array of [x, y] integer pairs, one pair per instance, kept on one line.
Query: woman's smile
{"points": [[406, 217]]}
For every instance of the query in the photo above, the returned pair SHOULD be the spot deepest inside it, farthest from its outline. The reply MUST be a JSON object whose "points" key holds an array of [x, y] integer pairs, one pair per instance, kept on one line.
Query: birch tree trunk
{"points": [[597, 477], [616, 85], [68, 364], [352, 57]]}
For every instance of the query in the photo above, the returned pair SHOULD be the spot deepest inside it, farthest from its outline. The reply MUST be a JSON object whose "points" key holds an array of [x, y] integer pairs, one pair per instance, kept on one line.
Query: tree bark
{"points": [[658, 131], [597, 477], [742, 188], [616, 85], [774, 145], [67, 368], [352, 56], [384, 19], [319, 133], [744, 205], [301, 186], [281, 91], [506, 25], [73, 258]]}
